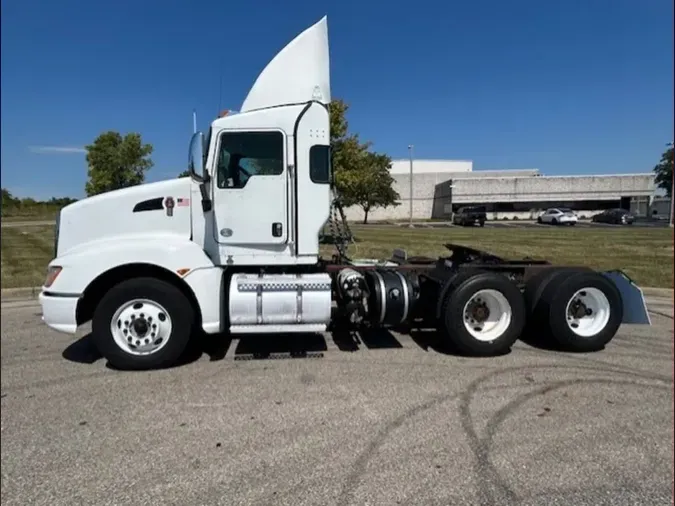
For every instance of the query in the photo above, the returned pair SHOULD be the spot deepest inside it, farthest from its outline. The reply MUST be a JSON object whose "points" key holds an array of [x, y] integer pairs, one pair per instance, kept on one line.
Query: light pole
{"points": [[672, 194], [410, 153], [672, 202]]}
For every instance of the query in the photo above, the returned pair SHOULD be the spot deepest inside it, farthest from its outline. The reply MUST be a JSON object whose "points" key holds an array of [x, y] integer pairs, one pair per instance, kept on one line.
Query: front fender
{"points": [[81, 266]]}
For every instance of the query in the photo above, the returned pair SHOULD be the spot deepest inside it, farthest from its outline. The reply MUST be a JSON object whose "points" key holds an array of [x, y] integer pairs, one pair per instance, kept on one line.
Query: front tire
{"points": [[143, 323], [483, 314]]}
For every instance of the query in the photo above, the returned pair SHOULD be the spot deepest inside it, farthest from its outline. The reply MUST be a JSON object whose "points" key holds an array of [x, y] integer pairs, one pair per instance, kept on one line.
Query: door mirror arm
{"points": [[207, 204], [198, 172]]}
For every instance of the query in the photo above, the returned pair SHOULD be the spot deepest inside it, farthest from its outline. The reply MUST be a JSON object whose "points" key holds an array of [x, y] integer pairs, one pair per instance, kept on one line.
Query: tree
{"points": [[9, 200], [185, 173], [60, 201], [664, 171], [368, 184], [116, 162], [361, 176]]}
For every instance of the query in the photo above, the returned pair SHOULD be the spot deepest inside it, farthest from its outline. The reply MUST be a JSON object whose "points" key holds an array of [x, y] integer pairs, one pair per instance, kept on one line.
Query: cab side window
{"points": [[243, 155], [319, 164]]}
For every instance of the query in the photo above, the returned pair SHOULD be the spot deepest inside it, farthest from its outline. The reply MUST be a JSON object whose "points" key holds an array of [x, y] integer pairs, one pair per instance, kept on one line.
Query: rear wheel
{"points": [[483, 313], [539, 220], [581, 311], [142, 323]]}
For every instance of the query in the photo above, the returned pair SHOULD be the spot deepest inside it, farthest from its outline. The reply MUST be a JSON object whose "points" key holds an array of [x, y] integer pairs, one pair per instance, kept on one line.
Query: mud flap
{"points": [[634, 306]]}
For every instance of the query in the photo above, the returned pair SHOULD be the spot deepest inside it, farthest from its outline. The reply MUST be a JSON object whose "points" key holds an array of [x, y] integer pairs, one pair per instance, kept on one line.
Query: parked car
{"points": [[558, 216], [470, 216], [616, 216]]}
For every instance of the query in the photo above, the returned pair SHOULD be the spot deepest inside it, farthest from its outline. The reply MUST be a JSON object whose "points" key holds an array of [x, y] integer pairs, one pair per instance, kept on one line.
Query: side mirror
{"points": [[196, 168], [196, 158]]}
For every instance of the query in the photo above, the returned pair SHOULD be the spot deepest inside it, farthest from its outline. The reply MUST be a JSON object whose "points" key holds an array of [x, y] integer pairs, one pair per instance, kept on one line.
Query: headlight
{"points": [[52, 274], [56, 234]]}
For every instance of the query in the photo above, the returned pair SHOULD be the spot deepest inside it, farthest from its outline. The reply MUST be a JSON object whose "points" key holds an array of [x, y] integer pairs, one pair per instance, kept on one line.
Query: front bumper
{"points": [[59, 312]]}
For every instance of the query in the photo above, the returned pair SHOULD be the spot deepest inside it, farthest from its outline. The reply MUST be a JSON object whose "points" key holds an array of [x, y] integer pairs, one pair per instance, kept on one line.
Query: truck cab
{"points": [[258, 196]]}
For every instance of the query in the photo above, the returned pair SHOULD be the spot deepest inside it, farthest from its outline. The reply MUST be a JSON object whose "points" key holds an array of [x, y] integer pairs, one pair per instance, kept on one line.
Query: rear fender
{"points": [[634, 304]]}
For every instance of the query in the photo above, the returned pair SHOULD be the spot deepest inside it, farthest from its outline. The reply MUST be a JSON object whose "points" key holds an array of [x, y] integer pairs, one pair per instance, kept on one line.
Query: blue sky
{"points": [[569, 87]]}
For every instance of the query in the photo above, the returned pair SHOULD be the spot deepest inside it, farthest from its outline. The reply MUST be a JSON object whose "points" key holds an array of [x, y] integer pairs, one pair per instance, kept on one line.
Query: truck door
{"points": [[312, 154], [250, 187]]}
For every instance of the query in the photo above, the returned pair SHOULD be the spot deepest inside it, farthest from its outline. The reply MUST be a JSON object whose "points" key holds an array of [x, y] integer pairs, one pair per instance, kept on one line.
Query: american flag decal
{"points": [[182, 202]]}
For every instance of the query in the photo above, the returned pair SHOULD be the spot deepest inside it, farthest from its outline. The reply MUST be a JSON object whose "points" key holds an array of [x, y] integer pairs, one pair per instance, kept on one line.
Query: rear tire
{"points": [[481, 223], [535, 286], [539, 220], [579, 332], [506, 319], [143, 323]]}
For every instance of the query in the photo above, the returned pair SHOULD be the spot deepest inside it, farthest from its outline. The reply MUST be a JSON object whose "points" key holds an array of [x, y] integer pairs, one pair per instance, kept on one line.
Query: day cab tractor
{"points": [[234, 249]]}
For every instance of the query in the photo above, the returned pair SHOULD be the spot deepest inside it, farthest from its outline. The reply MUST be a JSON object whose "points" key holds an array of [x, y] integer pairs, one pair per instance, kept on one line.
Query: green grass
{"points": [[645, 254], [36, 214], [30, 217], [25, 255]]}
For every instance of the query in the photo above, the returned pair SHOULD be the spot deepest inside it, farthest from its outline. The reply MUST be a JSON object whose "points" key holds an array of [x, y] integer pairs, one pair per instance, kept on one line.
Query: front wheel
{"points": [[484, 314], [143, 323]]}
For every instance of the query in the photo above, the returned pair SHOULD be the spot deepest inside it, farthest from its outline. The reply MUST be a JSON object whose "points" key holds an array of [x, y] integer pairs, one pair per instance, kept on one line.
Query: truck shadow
{"points": [[272, 346], [254, 347], [82, 351], [279, 346], [432, 340]]}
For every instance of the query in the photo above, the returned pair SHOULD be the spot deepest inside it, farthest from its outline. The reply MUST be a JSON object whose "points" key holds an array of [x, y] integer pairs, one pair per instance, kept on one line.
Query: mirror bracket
{"points": [[196, 161]]}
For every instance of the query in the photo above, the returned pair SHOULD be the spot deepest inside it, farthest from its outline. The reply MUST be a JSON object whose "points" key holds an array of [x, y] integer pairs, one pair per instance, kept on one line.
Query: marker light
{"points": [[52, 274]]}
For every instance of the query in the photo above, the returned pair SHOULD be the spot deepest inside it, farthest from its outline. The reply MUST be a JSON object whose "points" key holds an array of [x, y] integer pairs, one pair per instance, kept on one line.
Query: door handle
{"points": [[277, 229]]}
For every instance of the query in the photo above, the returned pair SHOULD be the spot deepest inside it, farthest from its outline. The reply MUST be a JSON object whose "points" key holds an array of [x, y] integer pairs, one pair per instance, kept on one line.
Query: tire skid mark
{"points": [[28, 356], [609, 366], [359, 467], [652, 355], [57, 381], [649, 350], [659, 313], [497, 491], [486, 474]]}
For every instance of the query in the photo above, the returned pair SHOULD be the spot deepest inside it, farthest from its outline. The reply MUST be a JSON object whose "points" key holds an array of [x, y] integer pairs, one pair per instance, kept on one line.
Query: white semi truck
{"points": [[234, 249]]}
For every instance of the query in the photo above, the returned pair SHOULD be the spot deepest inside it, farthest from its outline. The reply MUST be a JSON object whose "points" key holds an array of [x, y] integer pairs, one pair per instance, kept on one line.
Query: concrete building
{"points": [[440, 187], [660, 208]]}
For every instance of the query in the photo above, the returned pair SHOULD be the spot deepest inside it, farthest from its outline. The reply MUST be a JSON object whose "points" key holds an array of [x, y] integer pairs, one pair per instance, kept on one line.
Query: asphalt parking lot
{"points": [[391, 420]]}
